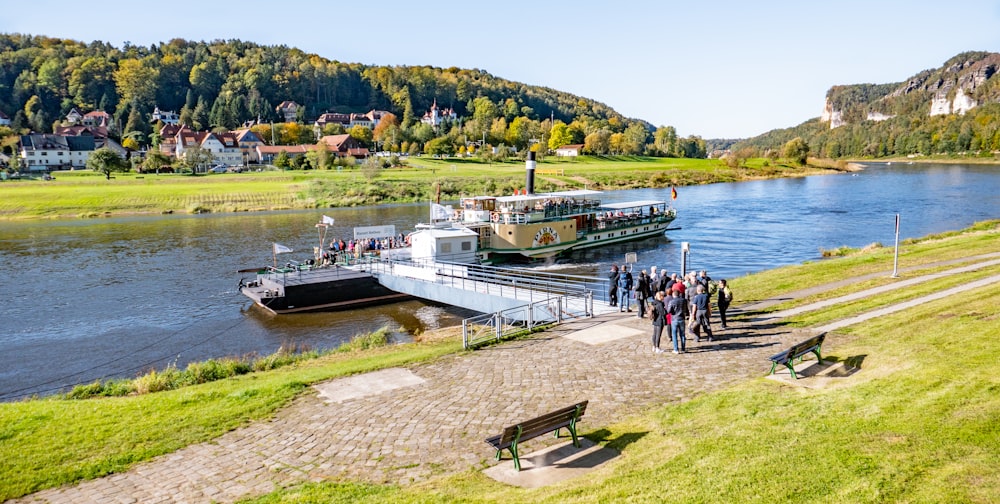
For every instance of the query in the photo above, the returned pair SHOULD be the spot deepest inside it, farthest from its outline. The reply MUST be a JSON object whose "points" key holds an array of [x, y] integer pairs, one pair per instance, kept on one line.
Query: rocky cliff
{"points": [[962, 83]]}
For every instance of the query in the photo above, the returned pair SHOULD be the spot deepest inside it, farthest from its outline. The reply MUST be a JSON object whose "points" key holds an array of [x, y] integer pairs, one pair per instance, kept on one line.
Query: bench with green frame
{"points": [[549, 422], [797, 351]]}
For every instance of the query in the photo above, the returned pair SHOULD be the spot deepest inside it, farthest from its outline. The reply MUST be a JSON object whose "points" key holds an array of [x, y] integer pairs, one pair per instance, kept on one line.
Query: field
{"points": [[88, 194]]}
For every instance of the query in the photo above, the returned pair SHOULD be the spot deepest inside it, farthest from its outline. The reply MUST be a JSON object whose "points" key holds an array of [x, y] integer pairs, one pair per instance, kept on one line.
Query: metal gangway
{"points": [[511, 299]]}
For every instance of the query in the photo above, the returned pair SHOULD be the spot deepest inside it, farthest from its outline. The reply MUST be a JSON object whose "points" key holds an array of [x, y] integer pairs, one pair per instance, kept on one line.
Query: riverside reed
{"points": [[88, 194], [916, 424]]}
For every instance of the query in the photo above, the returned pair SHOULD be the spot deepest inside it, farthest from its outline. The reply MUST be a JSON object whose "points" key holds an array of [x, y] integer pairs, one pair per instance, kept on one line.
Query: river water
{"points": [[89, 299]]}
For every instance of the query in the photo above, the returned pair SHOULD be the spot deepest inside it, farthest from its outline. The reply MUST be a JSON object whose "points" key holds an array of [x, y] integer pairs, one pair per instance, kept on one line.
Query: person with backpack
{"points": [[725, 297]]}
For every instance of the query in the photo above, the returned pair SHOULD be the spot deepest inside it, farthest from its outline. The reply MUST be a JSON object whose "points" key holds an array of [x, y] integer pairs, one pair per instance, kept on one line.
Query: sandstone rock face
{"points": [[955, 88]]}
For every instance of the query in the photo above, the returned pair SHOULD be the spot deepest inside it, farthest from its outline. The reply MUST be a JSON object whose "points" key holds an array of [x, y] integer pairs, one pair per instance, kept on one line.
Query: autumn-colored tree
{"points": [[136, 82], [598, 142], [387, 129], [362, 134]]}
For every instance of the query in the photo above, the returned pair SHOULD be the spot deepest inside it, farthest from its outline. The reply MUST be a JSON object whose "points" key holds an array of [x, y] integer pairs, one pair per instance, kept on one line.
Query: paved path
{"points": [[438, 423]]}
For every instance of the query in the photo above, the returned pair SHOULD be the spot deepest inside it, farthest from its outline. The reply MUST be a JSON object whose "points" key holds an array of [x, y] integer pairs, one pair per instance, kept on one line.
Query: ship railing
{"points": [[503, 324]]}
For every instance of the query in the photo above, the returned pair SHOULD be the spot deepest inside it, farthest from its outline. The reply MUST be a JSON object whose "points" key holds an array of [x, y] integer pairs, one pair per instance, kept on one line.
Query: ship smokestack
{"points": [[529, 167]]}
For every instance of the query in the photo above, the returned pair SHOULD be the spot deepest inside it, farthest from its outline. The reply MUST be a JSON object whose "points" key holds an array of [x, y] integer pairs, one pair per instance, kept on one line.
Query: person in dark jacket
{"points": [[677, 308], [725, 297], [613, 285], [658, 312], [642, 292]]}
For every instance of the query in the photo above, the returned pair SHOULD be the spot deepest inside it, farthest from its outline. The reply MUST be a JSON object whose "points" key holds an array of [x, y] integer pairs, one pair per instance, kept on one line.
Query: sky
{"points": [[712, 68]]}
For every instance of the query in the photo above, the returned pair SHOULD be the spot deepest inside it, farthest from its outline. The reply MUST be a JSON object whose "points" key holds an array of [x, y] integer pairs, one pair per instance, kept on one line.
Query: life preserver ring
{"points": [[495, 217]]}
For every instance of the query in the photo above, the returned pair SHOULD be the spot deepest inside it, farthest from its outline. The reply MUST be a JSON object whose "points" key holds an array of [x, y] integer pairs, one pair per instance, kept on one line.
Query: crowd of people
{"points": [[339, 250], [682, 304]]}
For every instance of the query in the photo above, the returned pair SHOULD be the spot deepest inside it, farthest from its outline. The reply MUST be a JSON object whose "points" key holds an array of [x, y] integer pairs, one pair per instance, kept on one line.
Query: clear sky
{"points": [[714, 68]]}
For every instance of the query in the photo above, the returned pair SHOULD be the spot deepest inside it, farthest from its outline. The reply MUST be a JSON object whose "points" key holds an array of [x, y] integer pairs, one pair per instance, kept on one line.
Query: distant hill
{"points": [[224, 83], [954, 109]]}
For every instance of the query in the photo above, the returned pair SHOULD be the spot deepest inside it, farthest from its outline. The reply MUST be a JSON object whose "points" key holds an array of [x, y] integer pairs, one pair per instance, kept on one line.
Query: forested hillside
{"points": [[224, 84], [952, 110]]}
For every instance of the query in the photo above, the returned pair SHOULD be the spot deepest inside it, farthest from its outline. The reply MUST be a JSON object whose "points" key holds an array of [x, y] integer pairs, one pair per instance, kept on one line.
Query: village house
{"points": [[288, 110], [436, 116], [97, 118], [4, 120], [44, 152], [345, 145], [267, 153], [223, 146], [165, 117], [569, 150], [98, 133], [248, 142]]}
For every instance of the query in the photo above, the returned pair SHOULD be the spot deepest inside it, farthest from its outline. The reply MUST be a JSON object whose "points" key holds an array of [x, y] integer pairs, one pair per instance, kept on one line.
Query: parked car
{"points": [[219, 169]]}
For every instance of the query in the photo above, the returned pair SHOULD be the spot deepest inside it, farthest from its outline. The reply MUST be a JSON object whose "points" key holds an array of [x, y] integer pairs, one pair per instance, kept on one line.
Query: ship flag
{"points": [[673, 193], [327, 220], [281, 249], [440, 212]]}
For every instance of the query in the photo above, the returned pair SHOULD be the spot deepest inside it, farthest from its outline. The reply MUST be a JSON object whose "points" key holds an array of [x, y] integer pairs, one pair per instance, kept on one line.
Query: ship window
{"points": [[446, 248], [466, 246]]}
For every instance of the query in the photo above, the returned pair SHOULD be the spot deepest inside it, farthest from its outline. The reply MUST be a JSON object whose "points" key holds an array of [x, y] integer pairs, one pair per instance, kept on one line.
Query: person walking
{"points": [[642, 292], [677, 311], [658, 312], [725, 297], [702, 310], [613, 285]]}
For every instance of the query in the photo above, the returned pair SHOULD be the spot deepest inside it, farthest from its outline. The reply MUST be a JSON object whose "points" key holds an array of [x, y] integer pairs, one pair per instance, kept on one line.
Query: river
{"points": [[89, 299]]}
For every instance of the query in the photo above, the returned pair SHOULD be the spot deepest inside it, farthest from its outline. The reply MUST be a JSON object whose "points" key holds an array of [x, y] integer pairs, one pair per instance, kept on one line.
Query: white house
{"points": [[165, 116], [4, 120], [288, 110], [569, 150], [436, 116], [51, 152], [224, 147]]}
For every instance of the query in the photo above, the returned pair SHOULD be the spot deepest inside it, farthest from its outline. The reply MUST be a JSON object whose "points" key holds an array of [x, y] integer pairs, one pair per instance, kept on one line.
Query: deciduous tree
{"points": [[106, 161], [796, 150]]}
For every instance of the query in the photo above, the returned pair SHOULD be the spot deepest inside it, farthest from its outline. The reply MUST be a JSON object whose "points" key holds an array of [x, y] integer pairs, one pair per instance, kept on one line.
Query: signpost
{"points": [[895, 259]]}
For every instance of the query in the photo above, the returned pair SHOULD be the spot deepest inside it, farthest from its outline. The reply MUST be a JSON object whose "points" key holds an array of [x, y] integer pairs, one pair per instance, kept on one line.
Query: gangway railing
{"points": [[494, 327], [515, 283]]}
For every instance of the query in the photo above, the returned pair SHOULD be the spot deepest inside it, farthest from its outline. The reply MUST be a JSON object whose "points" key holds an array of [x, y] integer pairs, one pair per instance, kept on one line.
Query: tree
{"points": [[197, 157], [106, 161], [154, 161], [598, 142], [319, 156], [635, 136], [371, 168], [560, 135], [281, 160], [665, 140], [136, 82], [796, 150], [362, 134], [439, 146]]}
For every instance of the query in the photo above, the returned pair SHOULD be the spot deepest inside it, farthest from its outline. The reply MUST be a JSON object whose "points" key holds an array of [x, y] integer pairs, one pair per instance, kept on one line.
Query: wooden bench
{"points": [[549, 422], [797, 351]]}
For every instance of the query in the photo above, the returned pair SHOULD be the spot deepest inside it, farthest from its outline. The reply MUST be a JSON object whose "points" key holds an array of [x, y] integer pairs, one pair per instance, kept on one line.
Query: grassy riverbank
{"points": [[88, 194], [917, 424]]}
